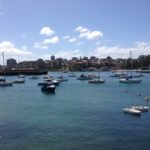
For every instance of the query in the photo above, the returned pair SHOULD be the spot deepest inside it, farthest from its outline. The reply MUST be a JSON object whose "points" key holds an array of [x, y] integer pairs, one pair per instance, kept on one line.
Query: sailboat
{"points": [[3, 82], [97, 80], [131, 111], [20, 78], [130, 79]]}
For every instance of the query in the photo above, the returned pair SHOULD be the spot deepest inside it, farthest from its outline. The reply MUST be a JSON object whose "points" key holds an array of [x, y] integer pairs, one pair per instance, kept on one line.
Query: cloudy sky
{"points": [[31, 29]]}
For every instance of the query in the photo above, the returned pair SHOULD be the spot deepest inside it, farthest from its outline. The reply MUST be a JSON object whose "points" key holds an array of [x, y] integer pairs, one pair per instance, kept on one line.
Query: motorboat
{"points": [[4, 83], [83, 77], [96, 81], [19, 80], [55, 82], [141, 108], [48, 88], [131, 111]]}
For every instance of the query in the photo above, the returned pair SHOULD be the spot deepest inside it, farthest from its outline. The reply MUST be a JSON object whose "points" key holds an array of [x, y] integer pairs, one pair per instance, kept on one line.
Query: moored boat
{"points": [[4, 83], [131, 111], [141, 108], [130, 80], [48, 88], [19, 80], [97, 81]]}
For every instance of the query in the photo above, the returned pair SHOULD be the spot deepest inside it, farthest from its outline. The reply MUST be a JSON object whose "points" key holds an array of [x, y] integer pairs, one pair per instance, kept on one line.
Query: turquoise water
{"points": [[79, 116]]}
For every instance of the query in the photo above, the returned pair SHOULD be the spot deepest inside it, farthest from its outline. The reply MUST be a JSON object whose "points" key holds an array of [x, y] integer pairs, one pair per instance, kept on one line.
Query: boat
{"points": [[44, 83], [3, 81], [141, 108], [97, 81], [131, 111], [19, 80], [62, 79], [130, 79], [83, 77], [53, 81], [119, 74], [48, 88]]}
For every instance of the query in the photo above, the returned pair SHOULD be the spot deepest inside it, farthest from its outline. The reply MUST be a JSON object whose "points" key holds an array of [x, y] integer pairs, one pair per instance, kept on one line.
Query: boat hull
{"points": [[131, 111], [48, 89], [130, 80]]}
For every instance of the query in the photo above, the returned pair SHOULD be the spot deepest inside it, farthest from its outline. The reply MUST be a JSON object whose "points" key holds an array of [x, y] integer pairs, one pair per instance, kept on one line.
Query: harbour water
{"points": [[79, 116]]}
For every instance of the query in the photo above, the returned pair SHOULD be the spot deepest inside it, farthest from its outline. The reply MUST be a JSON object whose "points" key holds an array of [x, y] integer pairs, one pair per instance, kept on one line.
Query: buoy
{"points": [[146, 98], [139, 94]]}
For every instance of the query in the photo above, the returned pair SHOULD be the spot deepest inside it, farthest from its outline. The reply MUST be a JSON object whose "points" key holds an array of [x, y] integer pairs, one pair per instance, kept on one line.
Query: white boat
{"points": [[19, 80], [97, 81], [131, 111], [4, 83], [130, 80], [141, 108]]}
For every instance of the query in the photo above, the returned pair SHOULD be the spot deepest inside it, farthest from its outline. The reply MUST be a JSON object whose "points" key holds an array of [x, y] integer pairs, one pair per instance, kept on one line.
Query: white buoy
{"points": [[146, 98]]}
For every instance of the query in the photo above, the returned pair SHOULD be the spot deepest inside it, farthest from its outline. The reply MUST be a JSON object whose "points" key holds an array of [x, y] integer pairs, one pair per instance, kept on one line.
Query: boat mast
{"points": [[19, 64], [131, 63], [3, 64], [99, 69]]}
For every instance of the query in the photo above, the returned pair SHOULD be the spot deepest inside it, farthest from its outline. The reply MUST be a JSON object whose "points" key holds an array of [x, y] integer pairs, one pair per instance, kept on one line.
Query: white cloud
{"points": [[9, 49], [47, 31], [79, 43], [81, 29], [98, 43], [44, 44], [72, 40], [24, 47], [40, 45], [69, 54], [140, 48], [52, 40], [94, 35], [88, 34], [66, 37]]}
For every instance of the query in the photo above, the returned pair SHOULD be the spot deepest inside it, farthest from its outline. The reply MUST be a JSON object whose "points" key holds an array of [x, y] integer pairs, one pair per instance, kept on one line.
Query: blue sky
{"points": [[33, 29]]}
